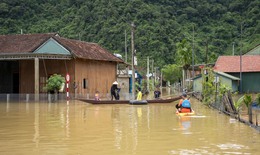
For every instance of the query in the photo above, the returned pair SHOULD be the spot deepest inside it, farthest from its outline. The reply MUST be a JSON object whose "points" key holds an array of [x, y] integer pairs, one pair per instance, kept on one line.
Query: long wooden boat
{"points": [[168, 100]]}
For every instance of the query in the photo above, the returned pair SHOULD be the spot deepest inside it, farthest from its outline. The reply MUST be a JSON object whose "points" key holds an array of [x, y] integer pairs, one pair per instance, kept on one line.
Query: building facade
{"points": [[28, 60]]}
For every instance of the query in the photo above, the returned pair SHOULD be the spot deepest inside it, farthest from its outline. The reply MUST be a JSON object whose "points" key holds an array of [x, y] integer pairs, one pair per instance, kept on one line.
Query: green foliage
{"points": [[55, 82], [258, 99], [238, 103], [247, 100], [171, 73], [184, 54], [152, 85], [159, 24], [208, 85], [137, 86], [223, 89]]}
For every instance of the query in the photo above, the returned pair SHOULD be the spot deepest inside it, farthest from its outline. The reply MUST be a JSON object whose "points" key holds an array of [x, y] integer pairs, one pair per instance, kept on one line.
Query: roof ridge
{"points": [[76, 40], [30, 34]]}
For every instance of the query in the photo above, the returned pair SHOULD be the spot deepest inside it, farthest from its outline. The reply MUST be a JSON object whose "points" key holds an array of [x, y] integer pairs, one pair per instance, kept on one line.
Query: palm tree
{"points": [[248, 102], [184, 56]]}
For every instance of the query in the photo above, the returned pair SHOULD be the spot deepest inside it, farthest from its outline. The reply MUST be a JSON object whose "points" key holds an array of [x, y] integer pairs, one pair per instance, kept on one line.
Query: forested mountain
{"points": [[160, 24]]}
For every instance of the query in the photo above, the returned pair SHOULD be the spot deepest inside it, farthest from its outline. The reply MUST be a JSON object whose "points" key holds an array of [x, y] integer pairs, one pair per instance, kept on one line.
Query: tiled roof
{"points": [[231, 64], [27, 43], [86, 50], [22, 43]]}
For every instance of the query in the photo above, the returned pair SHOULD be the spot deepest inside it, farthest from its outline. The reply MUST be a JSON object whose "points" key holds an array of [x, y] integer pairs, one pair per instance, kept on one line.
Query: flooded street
{"points": [[80, 128]]}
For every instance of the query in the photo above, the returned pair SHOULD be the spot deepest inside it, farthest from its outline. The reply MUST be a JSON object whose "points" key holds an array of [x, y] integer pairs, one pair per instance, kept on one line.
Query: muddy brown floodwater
{"points": [[80, 128]]}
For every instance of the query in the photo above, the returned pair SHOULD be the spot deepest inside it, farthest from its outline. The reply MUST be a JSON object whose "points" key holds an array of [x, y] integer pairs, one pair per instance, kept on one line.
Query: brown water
{"points": [[80, 128]]}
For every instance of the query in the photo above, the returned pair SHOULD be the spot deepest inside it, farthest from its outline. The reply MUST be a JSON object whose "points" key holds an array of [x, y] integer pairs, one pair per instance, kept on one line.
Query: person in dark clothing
{"points": [[114, 91], [157, 93]]}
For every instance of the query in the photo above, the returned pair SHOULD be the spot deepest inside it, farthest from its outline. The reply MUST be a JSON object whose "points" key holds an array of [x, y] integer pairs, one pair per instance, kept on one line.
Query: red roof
{"points": [[22, 43], [87, 50], [250, 63], [27, 43]]}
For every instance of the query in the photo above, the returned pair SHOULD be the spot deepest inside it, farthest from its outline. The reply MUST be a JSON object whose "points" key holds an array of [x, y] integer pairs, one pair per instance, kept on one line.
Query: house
{"points": [[254, 51], [250, 70], [221, 78], [27, 60]]}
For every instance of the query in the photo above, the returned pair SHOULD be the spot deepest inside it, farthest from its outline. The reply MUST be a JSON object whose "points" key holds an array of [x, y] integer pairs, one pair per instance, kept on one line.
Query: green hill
{"points": [[160, 24]]}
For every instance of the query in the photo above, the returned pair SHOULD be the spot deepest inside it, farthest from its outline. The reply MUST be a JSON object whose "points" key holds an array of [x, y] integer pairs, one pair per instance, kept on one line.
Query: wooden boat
{"points": [[185, 113], [138, 102], [168, 100]]}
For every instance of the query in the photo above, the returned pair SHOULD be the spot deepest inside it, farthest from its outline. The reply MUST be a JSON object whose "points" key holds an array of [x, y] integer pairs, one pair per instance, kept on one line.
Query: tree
{"points": [[171, 73], [54, 83], [184, 54], [184, 57]]}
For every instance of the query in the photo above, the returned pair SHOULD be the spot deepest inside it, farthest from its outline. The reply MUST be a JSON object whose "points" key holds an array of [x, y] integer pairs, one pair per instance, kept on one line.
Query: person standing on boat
{"points": [[114, 91], [184, 105], [139, 95]]}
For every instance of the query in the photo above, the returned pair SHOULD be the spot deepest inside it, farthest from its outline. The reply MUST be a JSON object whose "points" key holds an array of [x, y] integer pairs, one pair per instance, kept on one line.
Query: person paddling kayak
{"points": [[184, 105]]}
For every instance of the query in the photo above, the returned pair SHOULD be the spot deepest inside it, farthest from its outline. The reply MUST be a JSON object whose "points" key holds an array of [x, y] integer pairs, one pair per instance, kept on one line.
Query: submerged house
{"points": [[250, 70], [27, 60], [221, 78], [254, 51]]}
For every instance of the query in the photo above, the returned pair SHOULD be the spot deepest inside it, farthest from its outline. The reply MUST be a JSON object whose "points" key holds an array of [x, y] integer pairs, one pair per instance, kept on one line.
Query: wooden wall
{"points": [[26, 76], [46, 69], [98, 75]]}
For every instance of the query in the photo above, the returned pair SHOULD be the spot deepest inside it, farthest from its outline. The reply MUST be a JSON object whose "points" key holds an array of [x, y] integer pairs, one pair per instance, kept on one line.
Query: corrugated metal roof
{"points": [[228, 76], [254, 51]]}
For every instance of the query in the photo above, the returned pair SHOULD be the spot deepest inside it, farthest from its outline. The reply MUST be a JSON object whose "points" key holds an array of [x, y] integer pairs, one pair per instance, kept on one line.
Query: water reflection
{"points": [[36, 125], [185, 123], [67, 120], [80, 128], [117, 126]]}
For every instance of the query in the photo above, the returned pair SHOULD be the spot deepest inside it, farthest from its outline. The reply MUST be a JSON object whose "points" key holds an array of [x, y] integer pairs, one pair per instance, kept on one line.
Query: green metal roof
{"points": [[254, 51], [228, 76]]}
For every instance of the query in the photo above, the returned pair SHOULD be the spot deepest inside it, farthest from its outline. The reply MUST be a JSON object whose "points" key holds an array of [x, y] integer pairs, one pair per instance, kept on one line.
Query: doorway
{"points": [[16, 83]]}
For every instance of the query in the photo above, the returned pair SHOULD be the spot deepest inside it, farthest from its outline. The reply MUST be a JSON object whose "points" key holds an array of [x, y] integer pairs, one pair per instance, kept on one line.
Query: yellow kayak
{"points": [[185, 113]]}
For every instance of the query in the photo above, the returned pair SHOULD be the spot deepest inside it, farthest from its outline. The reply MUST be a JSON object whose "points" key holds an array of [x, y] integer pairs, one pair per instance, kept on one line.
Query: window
{"points": [[85, 84]]}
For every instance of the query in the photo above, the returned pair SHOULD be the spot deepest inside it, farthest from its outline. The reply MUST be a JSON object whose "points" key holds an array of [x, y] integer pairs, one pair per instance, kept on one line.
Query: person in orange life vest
{"points": [[97, 96], [184, 104]]}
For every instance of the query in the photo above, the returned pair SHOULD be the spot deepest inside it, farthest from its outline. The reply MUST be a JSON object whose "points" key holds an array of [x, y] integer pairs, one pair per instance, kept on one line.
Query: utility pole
{"points": [[125, 48], [133, 53], [241, 58], [152, 75], [233, 51], [206, 61], [155, 75], [148, 88], [161, 78], [192, 50]]}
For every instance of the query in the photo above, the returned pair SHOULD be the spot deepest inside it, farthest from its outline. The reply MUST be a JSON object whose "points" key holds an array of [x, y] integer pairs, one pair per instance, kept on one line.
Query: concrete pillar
{"points": [[36, 79], [8, 98], [27, 97]]}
